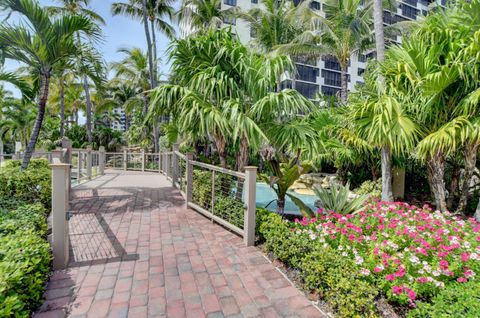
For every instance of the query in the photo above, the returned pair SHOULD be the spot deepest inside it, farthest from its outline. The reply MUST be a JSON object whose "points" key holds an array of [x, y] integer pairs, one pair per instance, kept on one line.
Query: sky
{"points": [[119, 32]]}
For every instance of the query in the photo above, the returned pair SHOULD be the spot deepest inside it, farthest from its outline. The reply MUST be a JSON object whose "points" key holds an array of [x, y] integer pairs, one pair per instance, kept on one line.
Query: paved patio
{"points": [[137, 252]]}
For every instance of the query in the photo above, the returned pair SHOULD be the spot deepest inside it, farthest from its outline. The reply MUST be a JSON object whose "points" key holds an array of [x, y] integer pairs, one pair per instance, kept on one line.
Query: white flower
{"points": [[365, 271], [439, 284], [467, 244], [414, 259], [421, 271], [436, 273], [475, 256], [358, 260], [313, 236], [344, 254], [340, 247]]}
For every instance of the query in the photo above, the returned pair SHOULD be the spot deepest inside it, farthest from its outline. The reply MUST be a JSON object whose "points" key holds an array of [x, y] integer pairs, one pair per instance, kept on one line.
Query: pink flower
{"points": [[397, 290], [422, 280], [411, 295], [444, 264], [461, 280], [378, 269], [465, 257], [390, 277]]}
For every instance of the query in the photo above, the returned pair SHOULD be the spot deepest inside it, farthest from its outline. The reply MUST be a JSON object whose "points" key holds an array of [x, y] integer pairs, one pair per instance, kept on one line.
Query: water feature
{"points": [[265, 195]]}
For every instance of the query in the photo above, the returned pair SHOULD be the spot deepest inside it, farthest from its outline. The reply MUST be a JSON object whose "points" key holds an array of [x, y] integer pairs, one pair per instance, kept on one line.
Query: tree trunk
{"points": [[344, 84], [387, 192], [76, 116], [453, 191], [436, 171], [220, 144], [153, 83], [62, 107], [281, 205], [470, 161], [154, 49], [477, 212], [44, 86], [88, 102], [379, 34], [242, 156]]}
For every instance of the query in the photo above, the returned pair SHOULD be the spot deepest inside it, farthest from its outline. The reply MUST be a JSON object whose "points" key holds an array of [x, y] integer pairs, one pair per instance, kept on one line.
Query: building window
{"points": [[315, 5], [255, 1], [306, 89], [230, 2], [388, 18], [360, 71], [305, 60], [411, 2], [331, 63], [329, 91], [409, 12], [332, 78], [306, 73], [230, 20]]}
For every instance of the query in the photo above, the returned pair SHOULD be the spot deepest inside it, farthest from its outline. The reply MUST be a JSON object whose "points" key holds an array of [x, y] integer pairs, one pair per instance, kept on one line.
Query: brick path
{"points": [[137, 252]]}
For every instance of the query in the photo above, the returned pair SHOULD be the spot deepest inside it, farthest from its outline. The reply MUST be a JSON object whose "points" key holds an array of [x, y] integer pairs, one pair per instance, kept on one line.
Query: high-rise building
{"points": [[121, 125], [323, 75]]}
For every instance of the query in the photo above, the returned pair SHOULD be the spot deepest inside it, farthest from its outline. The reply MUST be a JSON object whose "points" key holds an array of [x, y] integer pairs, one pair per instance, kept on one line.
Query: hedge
{"points": [[25, 256]]}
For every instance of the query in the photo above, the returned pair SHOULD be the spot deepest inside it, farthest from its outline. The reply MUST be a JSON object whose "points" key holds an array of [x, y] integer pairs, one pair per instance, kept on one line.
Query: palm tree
{"points": [[342, 33], [276, 22], [201, 15], [153, 12], [41, 47]]}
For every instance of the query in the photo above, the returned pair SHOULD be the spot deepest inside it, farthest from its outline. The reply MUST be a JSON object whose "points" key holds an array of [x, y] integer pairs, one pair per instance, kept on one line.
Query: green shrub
{"points": [[371, 188], [24, 267], [337, 279], [324, 270], [32, 185], [456, 300], [229, 209], [336, 198], [24, 218]]}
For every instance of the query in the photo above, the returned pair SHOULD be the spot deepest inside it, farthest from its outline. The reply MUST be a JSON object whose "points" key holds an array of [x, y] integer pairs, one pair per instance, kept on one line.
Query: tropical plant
{"points": [[202, 15], [341, 34], [283, 176], [41, 46], [337, 199]]}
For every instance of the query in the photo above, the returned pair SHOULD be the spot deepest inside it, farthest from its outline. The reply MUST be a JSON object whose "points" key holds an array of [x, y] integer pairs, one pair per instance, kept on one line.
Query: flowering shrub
{"points": [[410, 253]]}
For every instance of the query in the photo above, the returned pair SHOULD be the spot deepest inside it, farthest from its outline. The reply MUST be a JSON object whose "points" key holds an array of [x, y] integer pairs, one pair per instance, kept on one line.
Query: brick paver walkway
{"points": [[137, 252]]}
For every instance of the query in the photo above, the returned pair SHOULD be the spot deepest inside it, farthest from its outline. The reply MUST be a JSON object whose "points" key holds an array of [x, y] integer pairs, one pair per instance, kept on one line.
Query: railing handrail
{"points": [[218, 169]]}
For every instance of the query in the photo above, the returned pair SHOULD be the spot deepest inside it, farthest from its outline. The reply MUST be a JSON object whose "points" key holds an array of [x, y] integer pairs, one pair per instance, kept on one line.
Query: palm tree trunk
{"points": [[379, 34], [453, 191], [154, 49], [387, 192], [436, 171], [44, 87], [344, 83], [470, 161], [88, 101], [281, 204], [242, 156], [62, 107], [75, 115], [220, 144], [153, 83]]}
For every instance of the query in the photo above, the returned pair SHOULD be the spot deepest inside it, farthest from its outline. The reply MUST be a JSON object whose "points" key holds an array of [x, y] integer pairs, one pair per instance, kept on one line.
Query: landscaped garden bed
{"points": [[25, 256], [422, 261]]}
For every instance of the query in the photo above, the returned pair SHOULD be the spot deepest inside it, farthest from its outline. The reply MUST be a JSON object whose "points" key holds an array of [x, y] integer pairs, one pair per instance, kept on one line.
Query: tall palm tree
{"points": [[89, 65], [202, 15], [153, 12], [342, 33], [276, 22], [41, 46]]}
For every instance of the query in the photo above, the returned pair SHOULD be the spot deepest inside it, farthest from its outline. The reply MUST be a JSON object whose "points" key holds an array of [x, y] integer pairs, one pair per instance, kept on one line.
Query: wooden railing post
{"points": [[101, 160], [143, 160], [251, 207], [176, 147], [189, 179], [79, 168], [60, 214], [89, 162], [125, 158], [58, 154]]}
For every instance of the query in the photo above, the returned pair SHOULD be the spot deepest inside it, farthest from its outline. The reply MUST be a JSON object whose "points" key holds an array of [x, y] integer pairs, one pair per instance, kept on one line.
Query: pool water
{"points": [[265, 195]]}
